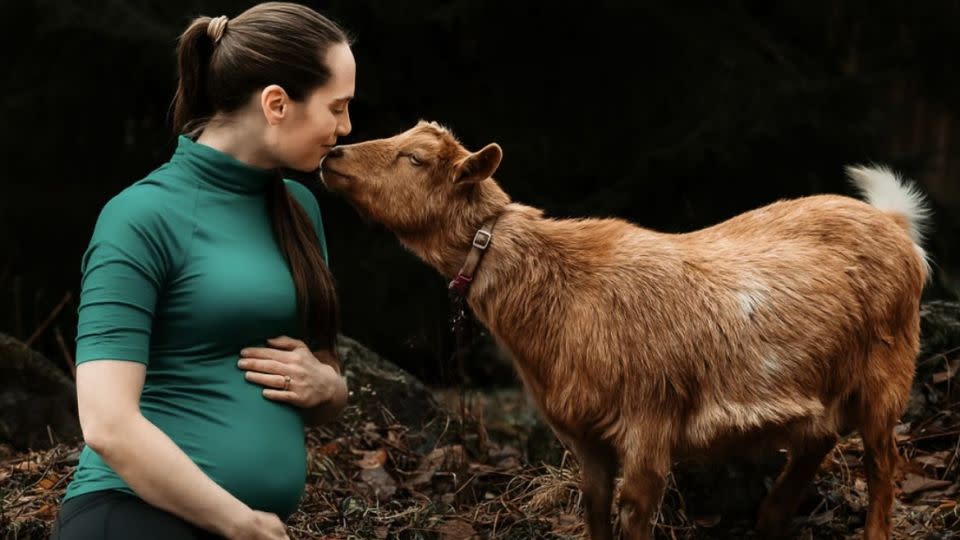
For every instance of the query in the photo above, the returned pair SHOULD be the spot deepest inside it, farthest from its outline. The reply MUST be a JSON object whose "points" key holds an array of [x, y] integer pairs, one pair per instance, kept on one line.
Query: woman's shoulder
{"points": [[142, 201], [146, 208]]}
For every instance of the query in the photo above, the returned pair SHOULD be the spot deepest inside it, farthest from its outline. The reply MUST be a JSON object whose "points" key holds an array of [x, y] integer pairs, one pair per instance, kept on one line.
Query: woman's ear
{"points": [[275, 104]]}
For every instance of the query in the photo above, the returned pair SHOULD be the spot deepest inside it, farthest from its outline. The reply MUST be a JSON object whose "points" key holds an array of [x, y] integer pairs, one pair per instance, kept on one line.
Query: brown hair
{"points": [[222, 62]]}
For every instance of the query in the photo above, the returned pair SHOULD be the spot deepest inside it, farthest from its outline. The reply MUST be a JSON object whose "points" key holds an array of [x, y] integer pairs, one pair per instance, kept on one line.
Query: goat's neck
{"points": [[519, 265], [446, 248], [514, 291]]}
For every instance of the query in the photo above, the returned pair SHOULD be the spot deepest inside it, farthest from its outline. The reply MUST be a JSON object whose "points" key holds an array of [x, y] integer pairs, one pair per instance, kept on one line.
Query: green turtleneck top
{"points": [[181, 273]]}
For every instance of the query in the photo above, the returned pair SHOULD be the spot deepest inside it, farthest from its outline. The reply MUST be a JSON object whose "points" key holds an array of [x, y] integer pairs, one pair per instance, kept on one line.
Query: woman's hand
{"points": [[290, 372], [257, 525]]}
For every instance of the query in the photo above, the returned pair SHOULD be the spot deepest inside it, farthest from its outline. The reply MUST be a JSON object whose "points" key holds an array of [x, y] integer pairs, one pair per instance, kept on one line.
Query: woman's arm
{"points": [[108, 396]]}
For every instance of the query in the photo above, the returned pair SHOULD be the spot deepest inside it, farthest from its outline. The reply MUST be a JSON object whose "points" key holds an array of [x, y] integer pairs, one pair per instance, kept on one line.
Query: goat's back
{"points": [[766, 319]]}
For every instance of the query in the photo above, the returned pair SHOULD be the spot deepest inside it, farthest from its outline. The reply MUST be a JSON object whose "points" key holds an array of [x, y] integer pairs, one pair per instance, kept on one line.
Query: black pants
{"points": [[116, 515]]}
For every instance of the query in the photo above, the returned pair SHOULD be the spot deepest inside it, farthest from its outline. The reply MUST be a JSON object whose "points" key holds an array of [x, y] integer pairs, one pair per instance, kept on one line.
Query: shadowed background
{"points": [[675, 115]]}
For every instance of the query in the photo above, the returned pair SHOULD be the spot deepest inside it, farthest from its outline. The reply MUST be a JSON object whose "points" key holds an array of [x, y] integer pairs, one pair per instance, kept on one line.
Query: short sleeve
{"points": [[122, 269], [308, 201]]}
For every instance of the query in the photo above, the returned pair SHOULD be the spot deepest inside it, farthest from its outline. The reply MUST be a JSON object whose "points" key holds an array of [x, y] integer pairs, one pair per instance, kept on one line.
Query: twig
{"points": [[936, 435], [53, 315], [953, 460], [66, 352], [937, 356]]}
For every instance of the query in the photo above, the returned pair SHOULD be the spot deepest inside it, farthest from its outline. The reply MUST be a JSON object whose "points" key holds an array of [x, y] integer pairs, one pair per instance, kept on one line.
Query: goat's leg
{"points": [[787, 493], [883, 396], [598, 467], [644, 479], [880, 461]]}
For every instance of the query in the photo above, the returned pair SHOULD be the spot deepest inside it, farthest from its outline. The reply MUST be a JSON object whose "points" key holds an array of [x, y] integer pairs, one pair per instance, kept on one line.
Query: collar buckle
{"points": [[481, 240]]}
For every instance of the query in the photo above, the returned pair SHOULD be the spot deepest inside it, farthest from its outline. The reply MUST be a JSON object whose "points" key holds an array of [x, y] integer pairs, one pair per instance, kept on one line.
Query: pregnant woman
{"points": [[208, 315]]}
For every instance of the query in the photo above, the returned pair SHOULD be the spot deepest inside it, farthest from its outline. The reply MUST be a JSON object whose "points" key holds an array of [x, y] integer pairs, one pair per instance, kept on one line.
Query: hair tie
{"points": [[216, 27]]}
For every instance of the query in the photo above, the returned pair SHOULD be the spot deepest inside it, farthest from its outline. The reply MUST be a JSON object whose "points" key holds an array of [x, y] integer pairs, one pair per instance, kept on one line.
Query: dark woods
{"points": [[675, 115]]}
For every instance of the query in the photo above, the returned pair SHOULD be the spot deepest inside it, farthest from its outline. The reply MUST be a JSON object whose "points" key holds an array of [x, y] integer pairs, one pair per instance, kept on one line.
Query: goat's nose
{"points": [[335, 152]]}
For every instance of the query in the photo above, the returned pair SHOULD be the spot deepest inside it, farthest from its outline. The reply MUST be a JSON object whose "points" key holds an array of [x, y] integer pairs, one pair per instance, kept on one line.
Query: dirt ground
{"points": [[370, 479]]}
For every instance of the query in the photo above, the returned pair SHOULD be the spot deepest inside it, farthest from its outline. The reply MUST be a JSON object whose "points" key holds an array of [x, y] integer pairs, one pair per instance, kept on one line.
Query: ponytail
{"points": [[191, 104], [319, 308]]}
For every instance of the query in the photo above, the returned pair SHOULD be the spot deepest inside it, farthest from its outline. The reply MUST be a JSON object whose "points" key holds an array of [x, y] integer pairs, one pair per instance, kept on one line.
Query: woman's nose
{"points": [[345, 127]]}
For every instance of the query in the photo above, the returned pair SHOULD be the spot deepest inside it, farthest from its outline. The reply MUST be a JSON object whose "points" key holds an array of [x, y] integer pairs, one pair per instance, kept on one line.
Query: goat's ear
{"points": [[478, 165]]}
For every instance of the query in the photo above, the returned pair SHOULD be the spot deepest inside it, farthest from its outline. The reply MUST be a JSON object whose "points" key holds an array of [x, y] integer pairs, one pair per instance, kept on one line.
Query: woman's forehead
{"points": [[343, 70]]}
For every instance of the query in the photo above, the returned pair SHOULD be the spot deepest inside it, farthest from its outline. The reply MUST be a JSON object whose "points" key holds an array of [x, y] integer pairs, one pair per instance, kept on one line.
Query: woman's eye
{"points": [[338, 111]]}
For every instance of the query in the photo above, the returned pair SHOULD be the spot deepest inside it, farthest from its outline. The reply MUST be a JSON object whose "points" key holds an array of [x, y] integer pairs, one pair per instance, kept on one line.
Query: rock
{"points": [[384, 394], [939, 328], [37, 399]]}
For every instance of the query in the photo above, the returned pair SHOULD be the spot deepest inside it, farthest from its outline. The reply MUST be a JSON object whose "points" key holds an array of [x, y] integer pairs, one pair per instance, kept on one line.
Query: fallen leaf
{"points": [[444, 459], [393, 437], [379, 484], [936, 460], [28, 466], [47, 483], [455, 529], [916, 484], [329, 449], [372, 459], [860, 485], [47, 511]]}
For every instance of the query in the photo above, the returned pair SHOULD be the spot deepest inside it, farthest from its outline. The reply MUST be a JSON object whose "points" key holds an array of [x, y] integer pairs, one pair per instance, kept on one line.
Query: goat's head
{"points": [[419, 182]]}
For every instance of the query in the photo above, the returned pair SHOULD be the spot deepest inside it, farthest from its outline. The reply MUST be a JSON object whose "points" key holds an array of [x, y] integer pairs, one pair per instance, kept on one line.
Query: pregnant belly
{"points": [[251, 446]]}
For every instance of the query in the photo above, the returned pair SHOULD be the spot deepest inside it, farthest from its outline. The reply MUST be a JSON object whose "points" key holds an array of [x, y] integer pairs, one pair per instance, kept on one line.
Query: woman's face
{"points": [[311, 127]]}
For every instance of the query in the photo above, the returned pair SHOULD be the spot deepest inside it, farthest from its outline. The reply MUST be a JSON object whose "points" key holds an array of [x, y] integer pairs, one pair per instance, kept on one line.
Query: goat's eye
{"points": [[414, 160]]}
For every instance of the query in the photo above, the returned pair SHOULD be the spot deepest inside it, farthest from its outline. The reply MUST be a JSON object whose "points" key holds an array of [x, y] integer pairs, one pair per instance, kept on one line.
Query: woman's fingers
{"points": [[269, 380], [264, 352], [280, 395], [287, 343], [262, 365]]}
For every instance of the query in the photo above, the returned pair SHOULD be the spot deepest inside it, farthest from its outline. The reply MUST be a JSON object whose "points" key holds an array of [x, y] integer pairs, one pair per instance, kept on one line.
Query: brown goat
{"points": [[783, 327]]}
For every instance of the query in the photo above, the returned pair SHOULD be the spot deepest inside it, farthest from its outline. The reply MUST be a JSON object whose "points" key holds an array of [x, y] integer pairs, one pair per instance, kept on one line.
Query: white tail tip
{"points": [[885, 190]]}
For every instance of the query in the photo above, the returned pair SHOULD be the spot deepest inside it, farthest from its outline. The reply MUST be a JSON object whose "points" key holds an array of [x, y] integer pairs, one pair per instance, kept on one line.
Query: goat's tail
{"points": [[900, 198]]}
